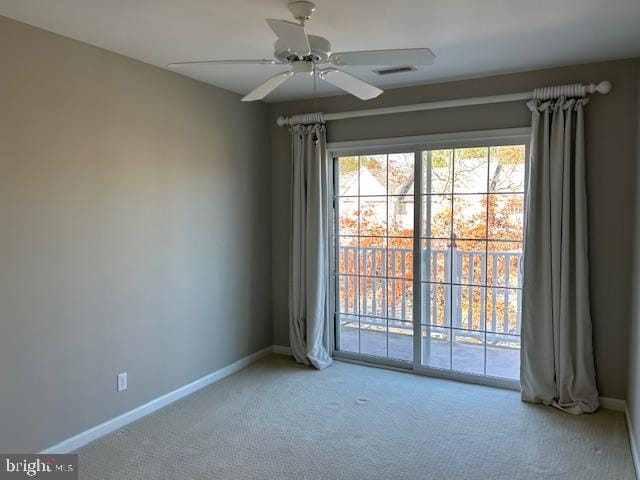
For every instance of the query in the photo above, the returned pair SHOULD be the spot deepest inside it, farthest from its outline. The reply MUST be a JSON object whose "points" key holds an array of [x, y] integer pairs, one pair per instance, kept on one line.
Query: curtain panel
{"points": [[309, 333], [557, 366]]}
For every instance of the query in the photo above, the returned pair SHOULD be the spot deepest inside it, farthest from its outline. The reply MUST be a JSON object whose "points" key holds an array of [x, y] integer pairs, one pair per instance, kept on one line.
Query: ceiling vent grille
{"points": [[395, 70]]}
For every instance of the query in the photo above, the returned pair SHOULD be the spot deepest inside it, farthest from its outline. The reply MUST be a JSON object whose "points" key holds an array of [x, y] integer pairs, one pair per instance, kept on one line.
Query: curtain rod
{"points": [[544, 93]]}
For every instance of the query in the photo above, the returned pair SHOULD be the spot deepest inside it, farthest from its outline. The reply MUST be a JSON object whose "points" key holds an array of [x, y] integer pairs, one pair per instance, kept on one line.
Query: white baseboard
{"points": [[615, 404], [77, 441], [282, 350], [632, 441]]}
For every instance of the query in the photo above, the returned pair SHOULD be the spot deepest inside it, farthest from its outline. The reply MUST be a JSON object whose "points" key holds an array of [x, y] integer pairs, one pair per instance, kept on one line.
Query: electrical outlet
{"points": [[122, 381]]}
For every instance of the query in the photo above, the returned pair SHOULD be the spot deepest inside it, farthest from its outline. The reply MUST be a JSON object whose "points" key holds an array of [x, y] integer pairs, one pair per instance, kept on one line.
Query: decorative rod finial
{"points": [[281, 121], [604, 87]]}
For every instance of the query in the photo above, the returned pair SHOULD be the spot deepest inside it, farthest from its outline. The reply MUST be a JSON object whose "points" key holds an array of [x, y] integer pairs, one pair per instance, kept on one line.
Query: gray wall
{"points": [[135, 233], [633, 391], [611, 150]]}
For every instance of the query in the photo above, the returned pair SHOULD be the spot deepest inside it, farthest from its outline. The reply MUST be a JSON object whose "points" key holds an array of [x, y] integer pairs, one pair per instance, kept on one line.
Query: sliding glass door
{"points": [[428, 254]]}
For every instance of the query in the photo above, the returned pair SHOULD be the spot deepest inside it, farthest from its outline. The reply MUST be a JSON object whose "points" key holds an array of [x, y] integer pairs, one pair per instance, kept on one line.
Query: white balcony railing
{"points": [[473, 291]]}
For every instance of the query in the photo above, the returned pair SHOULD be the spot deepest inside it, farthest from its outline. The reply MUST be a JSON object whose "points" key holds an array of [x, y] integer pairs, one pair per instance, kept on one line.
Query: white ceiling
{"points": [[470, 37]]}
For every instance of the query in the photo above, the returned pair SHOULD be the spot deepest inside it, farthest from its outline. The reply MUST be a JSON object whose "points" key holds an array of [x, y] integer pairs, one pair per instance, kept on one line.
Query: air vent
{"points": [[394, 70]]}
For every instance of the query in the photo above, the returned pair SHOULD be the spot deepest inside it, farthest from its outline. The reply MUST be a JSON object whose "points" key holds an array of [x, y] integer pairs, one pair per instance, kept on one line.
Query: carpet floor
{"points": [[279, 420]]}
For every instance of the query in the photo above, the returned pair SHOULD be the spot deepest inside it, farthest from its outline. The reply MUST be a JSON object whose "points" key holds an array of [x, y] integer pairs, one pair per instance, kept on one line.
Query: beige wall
{"points": [[633, 390], [134, 233], [611, 133]]}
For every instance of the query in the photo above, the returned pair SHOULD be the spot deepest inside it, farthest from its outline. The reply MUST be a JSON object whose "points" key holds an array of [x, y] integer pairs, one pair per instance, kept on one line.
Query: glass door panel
{"points": [[374, 237], [471, 251]]}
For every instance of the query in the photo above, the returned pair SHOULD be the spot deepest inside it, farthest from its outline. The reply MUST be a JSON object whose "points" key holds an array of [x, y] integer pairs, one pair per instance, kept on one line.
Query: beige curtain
{"points": [[557, 365], [309, 254]]}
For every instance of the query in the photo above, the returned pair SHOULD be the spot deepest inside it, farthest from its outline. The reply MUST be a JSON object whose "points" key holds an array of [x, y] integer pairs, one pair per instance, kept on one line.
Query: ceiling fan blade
{"points": [[267, 87], [223, 62], [406, 56], [292, 36], [350, 84]]}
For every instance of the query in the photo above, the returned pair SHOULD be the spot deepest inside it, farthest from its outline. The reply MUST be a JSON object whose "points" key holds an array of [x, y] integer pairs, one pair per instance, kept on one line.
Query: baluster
{"points": [[494, 319], [341, 281], [393, 284], [483, 297], [374, 282], [364, 280], [448, 310], [403, 259], [356, 281], [384, 261], [518, 311], [470, 305], [505, 319], [433, 272], [457, 275], [507, 268]]}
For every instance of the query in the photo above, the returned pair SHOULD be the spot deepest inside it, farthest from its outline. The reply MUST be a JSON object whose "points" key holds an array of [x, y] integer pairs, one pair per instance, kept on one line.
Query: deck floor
{"points": [[458, 355]]}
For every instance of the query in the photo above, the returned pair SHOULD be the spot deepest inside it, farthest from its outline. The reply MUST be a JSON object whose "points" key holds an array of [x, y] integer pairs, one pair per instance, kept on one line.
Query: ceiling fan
{"points": [[306, 52]]}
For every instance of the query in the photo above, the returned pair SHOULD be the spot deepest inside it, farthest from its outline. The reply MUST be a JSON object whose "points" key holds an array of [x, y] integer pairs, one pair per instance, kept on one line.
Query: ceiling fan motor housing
{"points": [[320, 51]]}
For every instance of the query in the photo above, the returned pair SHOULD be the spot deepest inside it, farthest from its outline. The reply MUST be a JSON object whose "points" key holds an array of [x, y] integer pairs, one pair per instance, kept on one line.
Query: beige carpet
{"points": [[278, 420]]}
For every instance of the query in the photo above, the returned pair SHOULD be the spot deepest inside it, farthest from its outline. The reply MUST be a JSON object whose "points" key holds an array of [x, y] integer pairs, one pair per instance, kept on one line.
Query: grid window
{"points": [[469, 247]]}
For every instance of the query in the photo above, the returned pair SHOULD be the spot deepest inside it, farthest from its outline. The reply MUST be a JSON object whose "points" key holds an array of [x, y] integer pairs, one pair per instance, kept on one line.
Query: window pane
{"points": [[506, 216], [503, 356], [469, 312], [400, 340], [373, 254], [401, 172], [436, 216], [504, 264], [436, 347], [506, 168], [373, 294], [347, 294], [436, 304], [349, 333], [400, 258], [373, 336], [401, 216], [373, 175], [348, 176], [436, 260], [468, 352], [373, 216], [470, 216], [347, 254], [437, 171], [469, 262], [400, 299], [348, 216], [504, 306], [470, 170]]}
